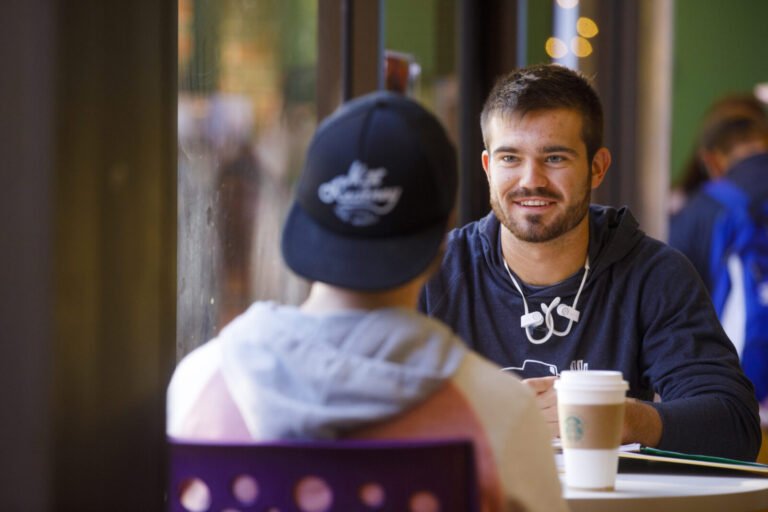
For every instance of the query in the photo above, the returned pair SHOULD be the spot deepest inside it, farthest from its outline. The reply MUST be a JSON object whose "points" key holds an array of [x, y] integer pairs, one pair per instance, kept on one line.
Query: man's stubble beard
{"points": [[532, 229]]}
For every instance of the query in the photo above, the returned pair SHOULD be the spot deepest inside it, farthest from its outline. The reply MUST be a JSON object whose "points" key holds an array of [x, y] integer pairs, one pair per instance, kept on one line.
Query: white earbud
{"points": [[568, 312], [535, 319]]}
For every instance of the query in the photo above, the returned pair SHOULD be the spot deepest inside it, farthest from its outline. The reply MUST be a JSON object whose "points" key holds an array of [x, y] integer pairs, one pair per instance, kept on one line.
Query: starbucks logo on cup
{"points": [[574, 429]]}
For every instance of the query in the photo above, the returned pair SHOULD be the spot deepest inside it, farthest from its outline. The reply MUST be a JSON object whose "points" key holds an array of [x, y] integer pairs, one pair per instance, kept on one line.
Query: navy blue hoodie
{"points": [[644, 312]]}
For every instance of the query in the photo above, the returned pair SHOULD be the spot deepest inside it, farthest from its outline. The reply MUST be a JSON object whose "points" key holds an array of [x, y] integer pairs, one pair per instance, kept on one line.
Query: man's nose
{"points": [[532, 175]]}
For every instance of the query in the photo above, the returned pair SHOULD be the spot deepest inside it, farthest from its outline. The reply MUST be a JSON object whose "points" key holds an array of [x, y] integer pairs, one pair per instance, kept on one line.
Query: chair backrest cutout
{"points": [[323, 476]]}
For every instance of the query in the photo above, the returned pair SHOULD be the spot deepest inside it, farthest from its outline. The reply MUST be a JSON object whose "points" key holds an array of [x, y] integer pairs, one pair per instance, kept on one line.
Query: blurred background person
{"points": [[695, 172], [724, 230], [732, 144]]}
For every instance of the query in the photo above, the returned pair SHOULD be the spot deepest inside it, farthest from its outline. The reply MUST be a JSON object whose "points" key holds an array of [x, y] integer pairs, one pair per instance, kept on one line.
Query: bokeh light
{"points": [[567, 4], [586, 27], [761, 92], [581, 47], [556, 48]]}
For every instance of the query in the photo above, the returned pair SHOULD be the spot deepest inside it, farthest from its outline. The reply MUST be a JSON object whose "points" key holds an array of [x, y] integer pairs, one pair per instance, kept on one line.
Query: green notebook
{"points": [[656, 455]]}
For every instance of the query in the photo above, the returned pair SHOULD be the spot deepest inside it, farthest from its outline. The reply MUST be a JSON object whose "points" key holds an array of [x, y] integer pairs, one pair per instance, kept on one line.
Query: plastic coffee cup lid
{"points": [[601, 379]]}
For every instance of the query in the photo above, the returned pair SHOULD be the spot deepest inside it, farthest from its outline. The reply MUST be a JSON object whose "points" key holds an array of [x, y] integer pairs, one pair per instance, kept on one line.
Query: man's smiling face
{"points": [[540, 180]]}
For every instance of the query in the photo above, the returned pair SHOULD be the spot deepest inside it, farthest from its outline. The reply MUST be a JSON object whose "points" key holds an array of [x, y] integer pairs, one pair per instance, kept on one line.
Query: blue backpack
{"points": [[739, 274]]}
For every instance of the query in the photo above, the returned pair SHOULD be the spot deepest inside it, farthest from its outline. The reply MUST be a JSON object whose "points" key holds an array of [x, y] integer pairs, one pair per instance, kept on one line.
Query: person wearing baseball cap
{"points": [[357, 360]]}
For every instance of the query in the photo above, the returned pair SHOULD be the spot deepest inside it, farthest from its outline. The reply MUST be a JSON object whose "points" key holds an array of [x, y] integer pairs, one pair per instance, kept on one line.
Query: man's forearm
{"points": [[642, 423]]}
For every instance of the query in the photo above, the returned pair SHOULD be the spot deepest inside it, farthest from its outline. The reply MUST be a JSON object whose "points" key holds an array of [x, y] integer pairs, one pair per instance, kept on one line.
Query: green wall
{"points": [[539, 30], [721, 46], [412, 27], [427, 29]]}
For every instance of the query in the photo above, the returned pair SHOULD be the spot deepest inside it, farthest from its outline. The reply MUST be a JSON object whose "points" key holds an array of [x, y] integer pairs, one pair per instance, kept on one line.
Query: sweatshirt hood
{"points": [[612, 235], [295, 375]]}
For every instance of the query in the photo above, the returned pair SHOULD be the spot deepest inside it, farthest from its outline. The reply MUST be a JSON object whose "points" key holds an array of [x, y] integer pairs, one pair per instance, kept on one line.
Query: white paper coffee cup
{"points": [[591, 416]]}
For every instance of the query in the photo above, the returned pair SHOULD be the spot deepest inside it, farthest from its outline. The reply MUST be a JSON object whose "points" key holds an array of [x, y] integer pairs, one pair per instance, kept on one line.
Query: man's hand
{"points": [[642, 423], [546, 398]]}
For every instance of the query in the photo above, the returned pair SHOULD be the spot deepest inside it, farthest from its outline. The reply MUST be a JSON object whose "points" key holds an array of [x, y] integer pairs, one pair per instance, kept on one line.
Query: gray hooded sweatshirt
{"points": [[294, 375]]}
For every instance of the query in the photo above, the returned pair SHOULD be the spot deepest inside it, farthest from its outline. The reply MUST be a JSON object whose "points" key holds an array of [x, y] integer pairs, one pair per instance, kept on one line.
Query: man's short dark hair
{"points": [[546, 87]]}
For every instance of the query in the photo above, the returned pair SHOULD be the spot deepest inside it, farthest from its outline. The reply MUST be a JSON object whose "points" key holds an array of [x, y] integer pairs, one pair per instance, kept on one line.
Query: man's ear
{"points": [[600, 164], [486, 158]]}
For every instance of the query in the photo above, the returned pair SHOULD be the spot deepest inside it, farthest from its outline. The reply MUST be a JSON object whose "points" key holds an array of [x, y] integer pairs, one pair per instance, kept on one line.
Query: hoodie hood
{"points": [[612, 236], [613, 233], [295, 375]]}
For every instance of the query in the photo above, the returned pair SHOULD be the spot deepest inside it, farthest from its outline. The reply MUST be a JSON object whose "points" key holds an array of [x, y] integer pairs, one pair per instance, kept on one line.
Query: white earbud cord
{"points": [[534, 319]]}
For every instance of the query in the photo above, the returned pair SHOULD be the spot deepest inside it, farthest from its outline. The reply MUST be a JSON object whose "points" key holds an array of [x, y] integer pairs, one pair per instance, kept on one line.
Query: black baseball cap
{"points": [[375, 195]]}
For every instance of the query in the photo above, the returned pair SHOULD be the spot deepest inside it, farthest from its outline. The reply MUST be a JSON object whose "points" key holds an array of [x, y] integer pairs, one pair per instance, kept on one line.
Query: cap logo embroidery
{"points": [[360, 198]]}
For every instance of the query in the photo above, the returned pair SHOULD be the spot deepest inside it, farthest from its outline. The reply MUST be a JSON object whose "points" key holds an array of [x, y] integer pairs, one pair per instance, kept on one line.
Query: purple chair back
{"points": [[323, 476]]}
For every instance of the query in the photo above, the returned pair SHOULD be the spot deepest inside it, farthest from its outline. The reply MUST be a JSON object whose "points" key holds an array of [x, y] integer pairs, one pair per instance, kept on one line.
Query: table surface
{"points": [[674, 492]]}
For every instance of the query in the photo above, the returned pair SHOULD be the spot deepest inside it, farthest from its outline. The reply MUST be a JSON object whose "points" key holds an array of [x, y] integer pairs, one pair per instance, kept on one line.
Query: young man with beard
{"points": [[547, 282]]}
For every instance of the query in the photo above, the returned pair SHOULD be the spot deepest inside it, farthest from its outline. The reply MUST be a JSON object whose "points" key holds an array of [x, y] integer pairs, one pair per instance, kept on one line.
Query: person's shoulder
{"points": [[488, 383], [698, 202], [633, 250], [695, 218], [202, 360], [659, 265], [473, 238], [190, 377], [418, 321], [487, 387], [472, 230], [515, 429], [467, 247], [653, 252], [750, 175], [196, 367]]}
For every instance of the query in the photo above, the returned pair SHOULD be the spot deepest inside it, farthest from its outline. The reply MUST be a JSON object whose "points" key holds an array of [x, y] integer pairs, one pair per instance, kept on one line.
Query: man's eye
{"points": [[555, 159], [508, 158]]}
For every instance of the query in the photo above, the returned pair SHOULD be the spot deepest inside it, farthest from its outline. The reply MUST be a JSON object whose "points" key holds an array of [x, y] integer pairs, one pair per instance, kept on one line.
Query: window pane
{"points": [[424, 34], [246, 113]]}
